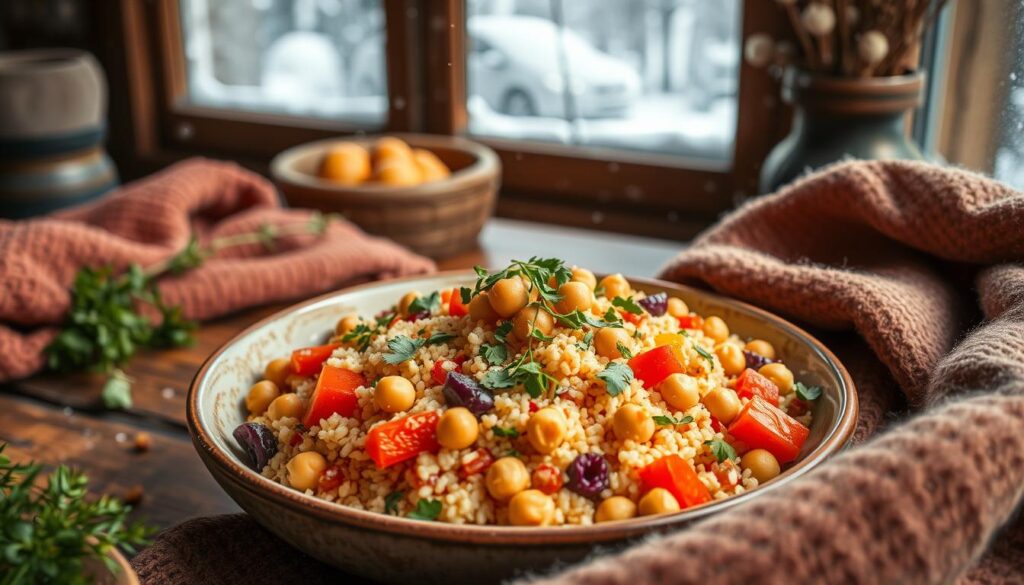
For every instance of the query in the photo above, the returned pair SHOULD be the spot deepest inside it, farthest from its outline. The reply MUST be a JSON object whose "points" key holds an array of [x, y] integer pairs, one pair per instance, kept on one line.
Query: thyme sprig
{"points": [[107, 324]]}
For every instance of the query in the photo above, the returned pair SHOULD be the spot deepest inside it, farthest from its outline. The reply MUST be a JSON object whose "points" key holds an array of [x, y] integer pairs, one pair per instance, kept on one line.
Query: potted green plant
{"points": [[54, 531], [850, 71]]}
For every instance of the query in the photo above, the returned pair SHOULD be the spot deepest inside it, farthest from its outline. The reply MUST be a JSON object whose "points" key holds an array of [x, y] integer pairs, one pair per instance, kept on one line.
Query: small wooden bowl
{"points": [[436, 219]]}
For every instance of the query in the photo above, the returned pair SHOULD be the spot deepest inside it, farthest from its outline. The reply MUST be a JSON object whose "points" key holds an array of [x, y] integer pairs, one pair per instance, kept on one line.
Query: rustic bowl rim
{"points": [[484, 168], [839, 433]]}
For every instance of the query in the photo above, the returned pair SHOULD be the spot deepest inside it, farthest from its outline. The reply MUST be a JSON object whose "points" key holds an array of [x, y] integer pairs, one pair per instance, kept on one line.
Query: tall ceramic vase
{"points": [[53, 106], [837, 118]]}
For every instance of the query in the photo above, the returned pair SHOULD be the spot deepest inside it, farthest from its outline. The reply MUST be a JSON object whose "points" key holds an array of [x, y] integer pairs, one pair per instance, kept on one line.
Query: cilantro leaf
{"points": [[439, 337], [428, 304], [391, 502], [628, 305], [611, 316], [626, 353], [721, 450], [402, 349], [584, 343], [501, 333], [426, 510], [808, 393], [533, 378], [495, 355], [663, 420], [617, 377], [497, 379], [509, 432], [466, 294]]}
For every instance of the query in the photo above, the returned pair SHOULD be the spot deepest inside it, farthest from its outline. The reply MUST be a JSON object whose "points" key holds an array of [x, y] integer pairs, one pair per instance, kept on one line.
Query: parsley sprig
{"points": [[425, 510], [720, 449], [403, 348], [667, 420], [49, 530], [807, 393], [106, 325]]}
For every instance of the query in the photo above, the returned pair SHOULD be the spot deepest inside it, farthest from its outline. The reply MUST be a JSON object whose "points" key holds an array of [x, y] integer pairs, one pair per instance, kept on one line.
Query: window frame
{"points": [[600, 187]]}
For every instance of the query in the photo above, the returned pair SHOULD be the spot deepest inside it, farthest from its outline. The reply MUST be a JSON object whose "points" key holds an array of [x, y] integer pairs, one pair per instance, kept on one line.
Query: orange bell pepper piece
{"points": [[308, 360], [750, 383], [335, 392], [654, 365], [762, 426], [402, 439], [674, 474]]}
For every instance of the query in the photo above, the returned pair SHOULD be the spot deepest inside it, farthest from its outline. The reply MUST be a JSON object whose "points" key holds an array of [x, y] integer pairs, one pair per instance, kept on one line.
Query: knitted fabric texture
{"points": [[906, 271], [151, 220]]}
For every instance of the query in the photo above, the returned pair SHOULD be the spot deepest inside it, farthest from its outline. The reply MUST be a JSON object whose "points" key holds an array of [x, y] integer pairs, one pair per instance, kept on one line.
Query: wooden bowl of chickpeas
{"points": [[429, 193]]}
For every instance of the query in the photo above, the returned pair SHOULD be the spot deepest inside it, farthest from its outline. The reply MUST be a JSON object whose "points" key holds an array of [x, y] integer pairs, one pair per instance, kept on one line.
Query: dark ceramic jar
{"points": [[836, 118]]}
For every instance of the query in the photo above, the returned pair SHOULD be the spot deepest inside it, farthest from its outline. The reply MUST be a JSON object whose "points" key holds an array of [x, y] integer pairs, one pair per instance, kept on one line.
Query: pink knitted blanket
{"points": [[907, 271], [152, 219]]}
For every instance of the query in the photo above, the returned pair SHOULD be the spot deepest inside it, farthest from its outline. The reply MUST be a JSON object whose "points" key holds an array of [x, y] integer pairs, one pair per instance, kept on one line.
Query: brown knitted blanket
{"points": [[152, 219], [907, 271]]}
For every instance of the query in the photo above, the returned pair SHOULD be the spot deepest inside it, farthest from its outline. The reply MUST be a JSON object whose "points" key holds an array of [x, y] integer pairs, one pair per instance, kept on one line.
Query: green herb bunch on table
{"points": [[107, 322]]}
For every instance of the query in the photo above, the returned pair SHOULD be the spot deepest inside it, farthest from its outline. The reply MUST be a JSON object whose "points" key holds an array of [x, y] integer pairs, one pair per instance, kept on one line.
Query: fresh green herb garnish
{"points": [[578, 319], [617, 377], [584, 344], [626, 353], [704, 354], [721, 450], [47, 532], [104, 326], [426, 510], [428, 304], [466, 294], [391, 502], [497, 379], [495, 355], [663, 420], [512, 453], [510, 432], [538, 271], [611, 316], [628, 305], [359, 336], [807, 393], [403, 348], [501, 333]]}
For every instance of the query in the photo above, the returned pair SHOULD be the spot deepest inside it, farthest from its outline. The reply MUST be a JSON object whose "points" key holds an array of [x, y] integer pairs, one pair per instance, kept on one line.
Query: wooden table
{"points": [[60, 419]]}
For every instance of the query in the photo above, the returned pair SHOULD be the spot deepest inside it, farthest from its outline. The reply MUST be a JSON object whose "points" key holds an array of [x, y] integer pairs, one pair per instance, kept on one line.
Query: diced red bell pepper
{"points": [[674, 474], [654, 365], [750, 383], [546, 478], [455, 306], [798, 407], [634, 319], [691, 322], [402, 439], [335, 392], [762, 426], [308, 360], [440, 374], [331, 479], [479, 464]]}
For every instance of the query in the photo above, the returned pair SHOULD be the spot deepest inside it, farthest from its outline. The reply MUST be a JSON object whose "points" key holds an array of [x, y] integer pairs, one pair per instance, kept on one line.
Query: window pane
{"points": [[317, 58], [649, 75]]}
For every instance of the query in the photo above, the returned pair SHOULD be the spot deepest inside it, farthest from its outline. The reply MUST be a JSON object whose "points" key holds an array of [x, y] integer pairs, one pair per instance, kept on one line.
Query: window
{"points": [[648, 75], [316, 58]]}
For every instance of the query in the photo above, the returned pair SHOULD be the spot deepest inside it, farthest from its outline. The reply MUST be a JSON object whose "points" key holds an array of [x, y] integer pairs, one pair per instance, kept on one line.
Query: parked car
{"points": [[514, 65]]}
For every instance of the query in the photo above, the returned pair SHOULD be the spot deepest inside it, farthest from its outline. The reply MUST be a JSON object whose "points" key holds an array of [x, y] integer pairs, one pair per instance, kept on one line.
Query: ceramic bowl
{"points": [[393, 549]]}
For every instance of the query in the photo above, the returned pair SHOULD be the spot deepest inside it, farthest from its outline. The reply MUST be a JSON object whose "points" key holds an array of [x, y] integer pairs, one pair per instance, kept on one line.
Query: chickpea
{"points": [[723, 404], [531, 318], [761, 348], [680, 391], [615, 508], [457, 428], [531, 508], [607, 340], [394, 394], [289, 405], [575, 295], [346, 324], [585, 276], [305, 469], [677, 308], [546, 429], [406, 300], [731, 356], [715, 328], [506, 477], [631, 422], [762, 464], [508, 296], [260, 396], [658, 501], [615, 285], [277, 371], [779, 374], [480, 309]]}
